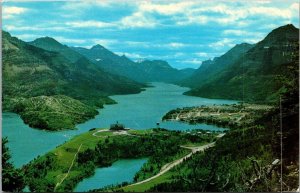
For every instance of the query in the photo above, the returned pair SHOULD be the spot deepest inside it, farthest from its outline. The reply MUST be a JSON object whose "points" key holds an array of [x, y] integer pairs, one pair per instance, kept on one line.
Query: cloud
{"points": [[11, 11], [82, 5], [28, 37], [148, 14], [131, 55], [270, 12], [69, 40], [138, 20], [233, 13], [89, 24], [192, 61], [222, 43], [201, 54], [36, 28], [235, 32], [295, 6], [108, 43], [175, 45], [252, 40], [165, 9]]}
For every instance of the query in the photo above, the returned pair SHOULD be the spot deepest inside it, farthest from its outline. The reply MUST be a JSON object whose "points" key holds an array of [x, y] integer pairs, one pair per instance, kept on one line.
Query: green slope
{"points": [[253, 77], [29, 71], [50, 44], [211, 68]]}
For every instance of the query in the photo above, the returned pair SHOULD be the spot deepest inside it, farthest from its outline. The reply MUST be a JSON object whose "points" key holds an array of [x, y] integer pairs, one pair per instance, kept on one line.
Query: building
{"points": [[117, 126]]}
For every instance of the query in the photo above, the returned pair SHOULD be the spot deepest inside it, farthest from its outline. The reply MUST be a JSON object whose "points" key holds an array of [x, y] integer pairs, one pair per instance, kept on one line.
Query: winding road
{"points": [[171, 165]]}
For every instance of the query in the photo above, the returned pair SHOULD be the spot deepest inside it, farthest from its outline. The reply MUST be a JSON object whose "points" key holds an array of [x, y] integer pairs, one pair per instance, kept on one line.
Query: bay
{"points": [[136, 111]]}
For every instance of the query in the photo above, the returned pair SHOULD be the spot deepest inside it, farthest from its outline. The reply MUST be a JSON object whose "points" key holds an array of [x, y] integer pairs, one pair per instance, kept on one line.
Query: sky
{"points": [[182, 32]]}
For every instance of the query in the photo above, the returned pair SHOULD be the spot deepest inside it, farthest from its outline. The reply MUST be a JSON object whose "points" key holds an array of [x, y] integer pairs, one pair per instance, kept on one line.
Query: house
{"points": [[117, 126]]}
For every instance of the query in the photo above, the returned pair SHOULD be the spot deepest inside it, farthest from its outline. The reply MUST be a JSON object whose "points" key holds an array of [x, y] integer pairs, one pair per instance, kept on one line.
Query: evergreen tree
{"points": [[12, 178]]}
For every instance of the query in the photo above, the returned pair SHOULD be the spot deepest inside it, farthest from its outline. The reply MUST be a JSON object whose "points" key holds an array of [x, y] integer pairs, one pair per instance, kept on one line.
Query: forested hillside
{"points": [[254, 76], [29, 72]]}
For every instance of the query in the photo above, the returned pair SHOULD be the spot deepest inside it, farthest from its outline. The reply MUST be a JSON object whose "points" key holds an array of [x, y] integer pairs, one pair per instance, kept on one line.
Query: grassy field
{"points": [[65, 152]]}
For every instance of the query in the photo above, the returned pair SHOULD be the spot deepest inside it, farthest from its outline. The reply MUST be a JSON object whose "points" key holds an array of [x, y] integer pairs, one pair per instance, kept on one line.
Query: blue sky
{"points": [[184, 32]]}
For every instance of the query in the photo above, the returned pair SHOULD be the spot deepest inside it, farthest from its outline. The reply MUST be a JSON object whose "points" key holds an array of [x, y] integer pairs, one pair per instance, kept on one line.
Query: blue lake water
{"points": [[136, 111], [115, 174]]}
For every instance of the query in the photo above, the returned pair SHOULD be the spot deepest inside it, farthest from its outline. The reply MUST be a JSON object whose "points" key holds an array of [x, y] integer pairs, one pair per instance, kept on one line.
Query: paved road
{"points": [[171, 165]]}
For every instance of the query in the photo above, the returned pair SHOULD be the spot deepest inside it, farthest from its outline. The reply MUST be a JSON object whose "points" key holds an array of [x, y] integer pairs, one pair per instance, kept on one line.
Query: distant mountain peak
{"points": [[97, 47]]}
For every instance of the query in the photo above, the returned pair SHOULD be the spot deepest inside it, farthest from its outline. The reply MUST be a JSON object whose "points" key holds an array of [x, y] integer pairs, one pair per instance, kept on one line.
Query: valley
{"points": [[59, 102]]}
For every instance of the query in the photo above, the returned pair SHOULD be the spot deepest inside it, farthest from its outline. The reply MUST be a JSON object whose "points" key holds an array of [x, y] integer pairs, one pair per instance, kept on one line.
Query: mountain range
{"points": [[251, 73], [30, 71], [143, 71]]}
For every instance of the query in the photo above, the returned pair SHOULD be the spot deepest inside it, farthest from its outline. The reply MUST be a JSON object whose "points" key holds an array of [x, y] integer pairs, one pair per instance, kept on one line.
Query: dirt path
{"points": [[59, 183], [171, 165], [99, 131], [114, 133]]}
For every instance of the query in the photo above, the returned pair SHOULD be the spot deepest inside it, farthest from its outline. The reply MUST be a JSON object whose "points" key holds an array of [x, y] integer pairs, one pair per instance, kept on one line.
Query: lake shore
{"points": [[229, 116]]}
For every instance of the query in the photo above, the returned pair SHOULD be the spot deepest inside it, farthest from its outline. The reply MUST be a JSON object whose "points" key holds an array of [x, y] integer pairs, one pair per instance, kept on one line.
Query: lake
{"points": [[136, 111], [114, 174]]}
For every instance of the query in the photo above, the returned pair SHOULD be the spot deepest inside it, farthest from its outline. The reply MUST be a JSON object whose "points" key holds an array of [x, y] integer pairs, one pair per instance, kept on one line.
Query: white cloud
{"points": [[166, 9], [105, 42], [35, 28], [192, 61], [28, 37], [130, 55], [89, 23], [252, 40], [138, 20], [69, 40], [295, 6], [235, 32], [177, 54], [270, 11], [11, 11], [201, 54], [176, 45], [82, 5], [222, 43]]}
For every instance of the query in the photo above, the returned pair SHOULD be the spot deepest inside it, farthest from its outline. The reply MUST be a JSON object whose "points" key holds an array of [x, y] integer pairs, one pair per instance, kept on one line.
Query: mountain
{"points": [[144, 71], [159, 70], [256, 76], [211, 68], [29, 72], [50, 44]]}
